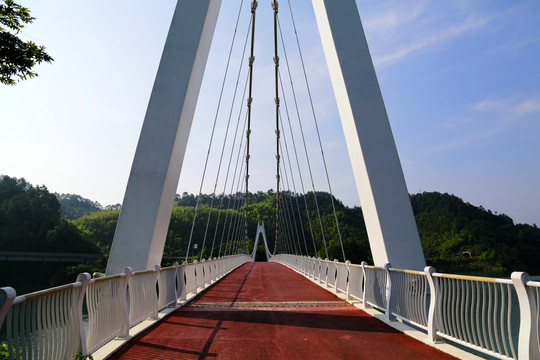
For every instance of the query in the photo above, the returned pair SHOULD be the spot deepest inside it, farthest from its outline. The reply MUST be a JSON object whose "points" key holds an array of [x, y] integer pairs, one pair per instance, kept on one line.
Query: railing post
{"points": [[180, 282], [125, 331], [326, 261], [528, 331], [364, 304], [336, 275], [7, 295], [174, 284], [157, 268], [84, 279], [389, 299], [434, 300], [348, 264]]}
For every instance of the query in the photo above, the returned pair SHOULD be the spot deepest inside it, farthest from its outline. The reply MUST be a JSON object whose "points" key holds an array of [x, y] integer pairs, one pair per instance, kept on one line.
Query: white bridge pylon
{"points": [[140, 235], [260, 232]]}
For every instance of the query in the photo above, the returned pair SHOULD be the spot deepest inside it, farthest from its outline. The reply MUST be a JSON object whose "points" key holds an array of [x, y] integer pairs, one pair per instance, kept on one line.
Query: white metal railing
{"points": [[331, 274], [48, 324], [342, 276], [143, 300], [50, 314], [375, 293], [355, 285], [410, 300], [108, 314], [167, 286], [476, 312], [533, 295], [498, 317]]}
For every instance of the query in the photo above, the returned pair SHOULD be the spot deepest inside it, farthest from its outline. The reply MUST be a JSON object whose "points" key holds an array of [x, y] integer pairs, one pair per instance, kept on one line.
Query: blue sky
{"points": [[460, 80]]}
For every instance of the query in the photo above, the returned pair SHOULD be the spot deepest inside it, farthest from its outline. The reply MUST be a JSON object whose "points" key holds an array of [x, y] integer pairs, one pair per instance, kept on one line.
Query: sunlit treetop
{"points": [[17, 58]]}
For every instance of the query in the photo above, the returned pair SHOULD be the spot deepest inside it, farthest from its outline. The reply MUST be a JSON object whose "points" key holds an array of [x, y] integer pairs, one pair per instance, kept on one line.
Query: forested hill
{"points": [[456, 236], [75, 206], [452, 229]]}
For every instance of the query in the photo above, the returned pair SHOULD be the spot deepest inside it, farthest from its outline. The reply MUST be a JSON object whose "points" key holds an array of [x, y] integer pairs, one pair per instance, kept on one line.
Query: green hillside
{"points": [[456, 236]]}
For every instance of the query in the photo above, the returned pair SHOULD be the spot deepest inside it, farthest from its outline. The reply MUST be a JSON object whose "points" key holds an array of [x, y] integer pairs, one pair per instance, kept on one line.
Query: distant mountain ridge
{"points": [[74, 206], [456, 236]]}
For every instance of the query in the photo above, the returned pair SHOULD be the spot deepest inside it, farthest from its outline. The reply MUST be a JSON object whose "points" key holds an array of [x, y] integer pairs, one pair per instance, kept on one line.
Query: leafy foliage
{"points": [[75, 206], [450, 228], [80, 356], [4, 352], [30, 221], [17, 58]]}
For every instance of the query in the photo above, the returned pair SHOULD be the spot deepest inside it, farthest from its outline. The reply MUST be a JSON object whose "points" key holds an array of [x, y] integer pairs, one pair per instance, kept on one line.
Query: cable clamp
{"points": [[276, 100], [277, 132], [276, 60], [249, 100], [278, 157], [275, 5], [248, 132], [254, 4], [251, 59]]}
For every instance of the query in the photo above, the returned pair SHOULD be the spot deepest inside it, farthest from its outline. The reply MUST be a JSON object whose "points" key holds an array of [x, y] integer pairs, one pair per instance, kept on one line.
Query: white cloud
{"points": [[428, 40], [396, 17], [529, 106], [502, 112], [510, 108]]}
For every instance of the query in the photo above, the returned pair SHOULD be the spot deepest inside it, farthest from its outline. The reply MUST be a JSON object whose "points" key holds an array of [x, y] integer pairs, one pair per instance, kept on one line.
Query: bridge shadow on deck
{"points": [[267, 311]]}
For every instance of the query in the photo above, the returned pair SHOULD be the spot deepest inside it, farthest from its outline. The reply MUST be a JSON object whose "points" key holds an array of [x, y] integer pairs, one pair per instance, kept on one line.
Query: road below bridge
{"points": [[268, 311]]}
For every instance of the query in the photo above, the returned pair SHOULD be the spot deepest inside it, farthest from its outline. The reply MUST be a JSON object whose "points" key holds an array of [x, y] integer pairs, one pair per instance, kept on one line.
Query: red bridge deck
{"points": [[267, 311]]}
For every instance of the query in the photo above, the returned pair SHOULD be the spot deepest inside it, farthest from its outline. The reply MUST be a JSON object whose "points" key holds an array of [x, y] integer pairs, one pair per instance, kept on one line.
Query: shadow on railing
{"points": [[49, 324], [497, 317]]}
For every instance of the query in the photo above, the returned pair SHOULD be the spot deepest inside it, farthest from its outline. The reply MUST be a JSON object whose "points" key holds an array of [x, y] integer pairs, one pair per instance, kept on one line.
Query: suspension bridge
{"points": [[219, 302]]}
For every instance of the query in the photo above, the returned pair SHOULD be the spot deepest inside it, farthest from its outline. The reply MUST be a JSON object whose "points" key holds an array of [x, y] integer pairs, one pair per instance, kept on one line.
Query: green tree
{"points": [[17, 58]]}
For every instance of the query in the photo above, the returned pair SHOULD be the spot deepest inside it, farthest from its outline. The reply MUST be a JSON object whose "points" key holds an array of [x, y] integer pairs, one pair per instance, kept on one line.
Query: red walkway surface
{"points": [[267, 311]]}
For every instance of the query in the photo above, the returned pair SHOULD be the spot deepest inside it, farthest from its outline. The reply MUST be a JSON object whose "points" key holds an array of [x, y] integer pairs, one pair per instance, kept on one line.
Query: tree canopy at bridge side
{"points": [[17, 57]]}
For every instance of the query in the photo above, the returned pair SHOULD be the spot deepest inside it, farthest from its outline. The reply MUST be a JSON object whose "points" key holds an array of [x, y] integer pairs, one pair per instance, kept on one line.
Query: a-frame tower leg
{"points": [[144, 219], [386, 206]]}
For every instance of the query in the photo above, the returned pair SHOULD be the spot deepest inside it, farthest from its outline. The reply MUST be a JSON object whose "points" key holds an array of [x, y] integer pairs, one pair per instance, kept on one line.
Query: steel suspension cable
{"points": [[275, 7], [288, 158], [285, 228], [292, 206], [228, 169], [249, 101], [236, 207], [213, 131], [234, 185], [317, 128], [234, 140], [235, 217], [304, 143], [297, 166], [226, 134]]}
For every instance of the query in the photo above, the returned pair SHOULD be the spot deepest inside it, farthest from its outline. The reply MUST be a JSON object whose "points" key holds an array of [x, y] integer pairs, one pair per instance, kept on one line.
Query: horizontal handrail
{"points": [[473, 278], [42, 293]]}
